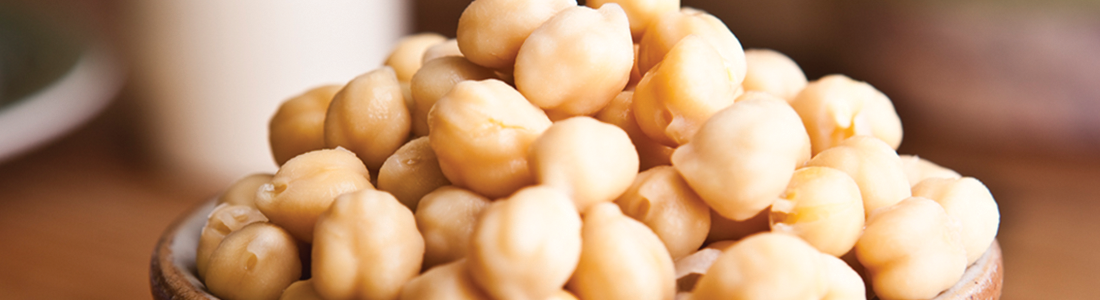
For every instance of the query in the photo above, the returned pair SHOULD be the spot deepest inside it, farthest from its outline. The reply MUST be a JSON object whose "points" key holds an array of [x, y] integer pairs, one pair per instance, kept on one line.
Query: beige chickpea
{"points": [[526, 246], [407, 57], [673, 100], [576, 61], [640, 12], [444, 49], [661, 199], [843, 282], [772, 72], [299, 124], [243, 192], [305, 186], [480, 132], [590, 160], [744, 156], [490, 32], [621, 258], [223, 220], [256, 262], [366, 246], [446, 219], [918, 169], [726, 230], [300, 290], [912, 250], [369, 117], [822, 206], [446, 282], [969, 201], [669, 28], [411, 172], [836, 107], [765, 266], [562, 295], [434, 80], [620, 113], [875, 167]]}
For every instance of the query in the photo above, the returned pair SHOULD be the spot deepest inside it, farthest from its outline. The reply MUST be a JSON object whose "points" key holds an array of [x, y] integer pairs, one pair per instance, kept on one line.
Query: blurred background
{"points": [[1005, 91]]}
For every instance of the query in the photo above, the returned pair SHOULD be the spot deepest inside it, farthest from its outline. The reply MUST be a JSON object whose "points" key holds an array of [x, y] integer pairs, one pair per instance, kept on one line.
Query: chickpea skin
{"points": [[446, 219], [912, 250], [256, 262], [772, 72], [490, 32], [299, 124], [669, 28], [621, 259], [411, 172], [577, 61], [590, 160], [661, 199], [673, 100], [446, 282], [620, 113], [406, 58], [434, 80], [481, 131], [836, 107], [744, 156], [526, 246], [640, 12], [223, 220], [969, 201], [822, 206], [305, 186], [243, 192], [369, 117], [874, 166], [918, 169], [366, 246], [765, 266]]}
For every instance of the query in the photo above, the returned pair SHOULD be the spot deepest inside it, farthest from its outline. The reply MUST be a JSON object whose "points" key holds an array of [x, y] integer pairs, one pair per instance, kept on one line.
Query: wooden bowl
{"points": [[172, 270]]}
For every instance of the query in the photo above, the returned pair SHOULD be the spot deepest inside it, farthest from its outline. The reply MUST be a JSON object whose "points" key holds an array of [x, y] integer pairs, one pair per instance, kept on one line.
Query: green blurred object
{"points": [[32, 55]]}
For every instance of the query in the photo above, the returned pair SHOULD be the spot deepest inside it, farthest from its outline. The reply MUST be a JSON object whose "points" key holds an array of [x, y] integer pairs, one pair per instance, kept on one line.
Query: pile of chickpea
{"points": [[627, 149]]}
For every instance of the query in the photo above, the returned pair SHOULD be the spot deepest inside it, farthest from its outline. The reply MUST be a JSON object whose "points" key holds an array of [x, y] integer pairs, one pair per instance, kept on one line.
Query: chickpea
{"points": [[306, 185], [450, 282], [765, 266], [635, 73], [562, 295], [444, 49], [772, 72], [689, 268], [912, 250], [446, 219], [918, 169], [406, 58], [640, 12], [969, 201], [669, 28], [726, 230], [299, 124], [673, 100], [620, 113], [256, 262], [836, 107], [875, 167], [300, 290], [411, 172], [843, 282], [480, 132], [744, 156], [369, 117], [490, 32], [243, 192], [662, 200], [526, 246], [621, 259], [590, 160], [366, 247], [223, 220], [434, 80], [577, 61], [822, 206]]}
